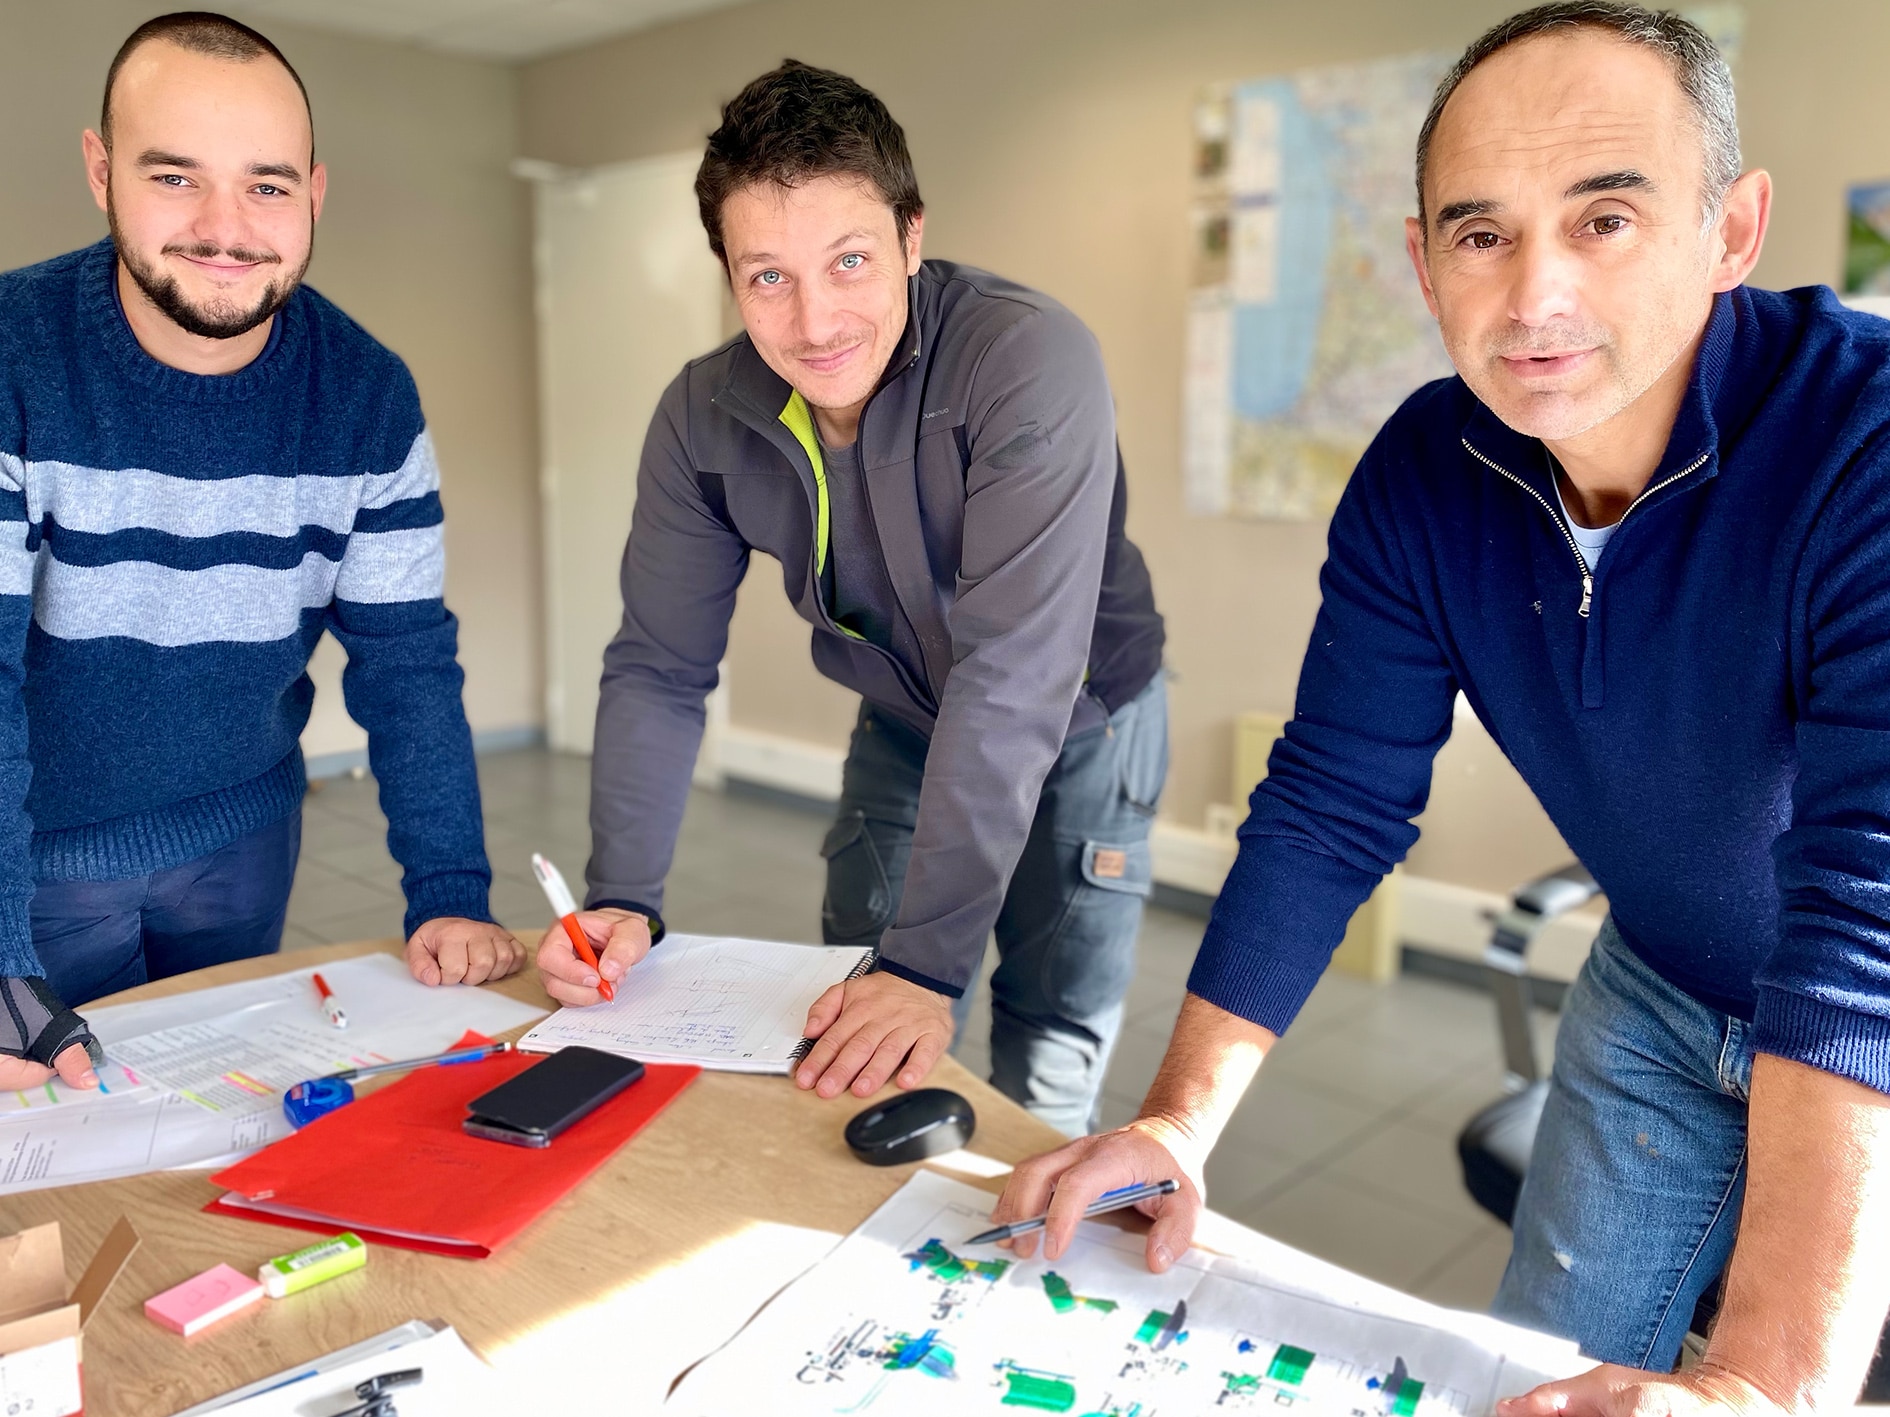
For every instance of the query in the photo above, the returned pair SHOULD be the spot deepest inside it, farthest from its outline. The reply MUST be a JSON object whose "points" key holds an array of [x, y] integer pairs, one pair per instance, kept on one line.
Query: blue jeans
{"points": [[1631, 1204], [97, 937], [1066, 932]]}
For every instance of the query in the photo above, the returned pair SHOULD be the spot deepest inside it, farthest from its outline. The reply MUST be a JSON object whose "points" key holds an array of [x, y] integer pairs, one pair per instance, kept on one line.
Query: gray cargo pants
{"points": [[1066, 932]]}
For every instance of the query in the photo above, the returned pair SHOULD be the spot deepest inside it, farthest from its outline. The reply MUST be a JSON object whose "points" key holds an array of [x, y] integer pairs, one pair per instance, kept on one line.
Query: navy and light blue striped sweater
{"points": [[172, 546]]}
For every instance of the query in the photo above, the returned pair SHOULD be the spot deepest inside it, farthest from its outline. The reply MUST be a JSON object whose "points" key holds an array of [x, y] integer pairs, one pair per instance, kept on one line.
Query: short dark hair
{"points": [[201, 32], [798, 122], [1698, 67]]}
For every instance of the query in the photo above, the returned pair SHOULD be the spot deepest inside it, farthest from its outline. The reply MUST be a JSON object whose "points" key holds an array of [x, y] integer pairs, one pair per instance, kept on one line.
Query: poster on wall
{"points": [[1306, 328]]}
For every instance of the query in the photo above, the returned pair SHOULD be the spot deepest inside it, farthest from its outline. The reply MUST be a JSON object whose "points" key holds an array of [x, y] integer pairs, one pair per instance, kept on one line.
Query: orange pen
{"points": [[559, 894]]}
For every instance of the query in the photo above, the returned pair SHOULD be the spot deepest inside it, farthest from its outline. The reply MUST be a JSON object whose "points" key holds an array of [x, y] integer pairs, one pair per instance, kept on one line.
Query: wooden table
{"points": [[663, 1253]]}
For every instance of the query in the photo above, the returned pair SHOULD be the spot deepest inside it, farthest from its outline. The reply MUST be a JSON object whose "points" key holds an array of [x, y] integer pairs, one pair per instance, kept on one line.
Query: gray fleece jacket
{"points": [[996, 489]]}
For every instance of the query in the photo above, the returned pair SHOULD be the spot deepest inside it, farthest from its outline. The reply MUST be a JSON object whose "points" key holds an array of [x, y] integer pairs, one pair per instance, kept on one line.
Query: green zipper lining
{"points": [[798, 419]]}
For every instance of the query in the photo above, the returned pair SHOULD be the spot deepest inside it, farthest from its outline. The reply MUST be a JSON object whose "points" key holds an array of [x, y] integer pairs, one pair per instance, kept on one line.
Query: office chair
{"points": [[1494, 1145]]}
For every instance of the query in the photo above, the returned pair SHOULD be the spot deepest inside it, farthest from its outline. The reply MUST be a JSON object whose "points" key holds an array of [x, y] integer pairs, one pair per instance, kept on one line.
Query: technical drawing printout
{"points": [[904, 1318], [732, 1005]]}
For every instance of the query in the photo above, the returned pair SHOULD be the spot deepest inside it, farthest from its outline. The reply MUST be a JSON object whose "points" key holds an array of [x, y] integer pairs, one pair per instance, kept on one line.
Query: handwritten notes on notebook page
{"points": [[726, 1004]]}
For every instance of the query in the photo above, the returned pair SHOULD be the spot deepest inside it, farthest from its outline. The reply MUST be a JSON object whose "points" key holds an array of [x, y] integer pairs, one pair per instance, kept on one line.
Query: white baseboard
{"points": [[1190, 859], [489, 740], [786, 764], [1433, 915]]}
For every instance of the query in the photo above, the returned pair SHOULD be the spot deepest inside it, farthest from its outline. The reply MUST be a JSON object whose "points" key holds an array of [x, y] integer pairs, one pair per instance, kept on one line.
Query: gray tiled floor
{"points": [[1346, 1147]]}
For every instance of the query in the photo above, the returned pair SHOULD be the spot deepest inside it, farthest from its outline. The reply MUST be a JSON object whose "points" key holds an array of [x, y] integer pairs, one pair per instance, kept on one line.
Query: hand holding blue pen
{"points": [[1119, 1199]]}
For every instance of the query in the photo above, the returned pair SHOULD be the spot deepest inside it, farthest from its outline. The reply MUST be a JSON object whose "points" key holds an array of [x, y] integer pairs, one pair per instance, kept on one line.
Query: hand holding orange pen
{"points": [[565, 906]]}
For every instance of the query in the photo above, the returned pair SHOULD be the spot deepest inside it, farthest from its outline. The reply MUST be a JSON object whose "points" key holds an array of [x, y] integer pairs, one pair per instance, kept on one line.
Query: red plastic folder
{"points": [[395, 1166]]}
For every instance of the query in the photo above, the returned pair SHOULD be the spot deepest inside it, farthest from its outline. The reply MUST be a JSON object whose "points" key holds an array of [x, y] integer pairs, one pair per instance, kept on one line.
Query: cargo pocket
{"points": [[1127, 868], [1142, 750], [859, 901], [1092, 958]]}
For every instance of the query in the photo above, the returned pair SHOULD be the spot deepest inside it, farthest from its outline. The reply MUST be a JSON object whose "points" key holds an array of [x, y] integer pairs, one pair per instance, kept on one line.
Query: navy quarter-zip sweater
{"points": [[1705, 713], [172, 547]]}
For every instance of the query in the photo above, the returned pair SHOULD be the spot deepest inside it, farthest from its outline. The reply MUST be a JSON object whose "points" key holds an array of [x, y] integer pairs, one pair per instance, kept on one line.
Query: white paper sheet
{"points": [[242, 1060], [903, 1318], [454, 1383], [125, 1135], [270, 1031], [732, 1005], [114, 1081], [42, 1381]]}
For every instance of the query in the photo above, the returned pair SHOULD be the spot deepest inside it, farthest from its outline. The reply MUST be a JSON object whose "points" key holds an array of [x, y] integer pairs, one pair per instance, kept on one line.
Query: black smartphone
{"points": [[532, 1108]]}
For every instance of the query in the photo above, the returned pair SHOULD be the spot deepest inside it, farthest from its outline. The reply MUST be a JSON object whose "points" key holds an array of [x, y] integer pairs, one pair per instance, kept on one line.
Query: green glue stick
{"points": [[290, 1274]]}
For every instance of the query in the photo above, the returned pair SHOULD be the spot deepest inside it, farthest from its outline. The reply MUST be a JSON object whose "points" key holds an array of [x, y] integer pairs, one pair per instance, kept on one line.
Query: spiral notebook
{"points": [[730, 1005]]}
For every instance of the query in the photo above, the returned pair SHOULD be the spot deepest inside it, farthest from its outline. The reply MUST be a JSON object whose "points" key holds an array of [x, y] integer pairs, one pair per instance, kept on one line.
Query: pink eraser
{"points": [[200, 1302]]}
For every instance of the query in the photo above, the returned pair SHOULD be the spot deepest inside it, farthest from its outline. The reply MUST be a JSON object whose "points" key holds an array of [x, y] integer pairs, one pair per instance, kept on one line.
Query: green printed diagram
{"points": [[1155, 1351], [1034, 1389], [926, 1354], [1295, 1375], [1281, 1384], [1290, 1365], [1057, 1290], [872, 1348], [1398, 1391], [959, 1279], [1161, 1328]]}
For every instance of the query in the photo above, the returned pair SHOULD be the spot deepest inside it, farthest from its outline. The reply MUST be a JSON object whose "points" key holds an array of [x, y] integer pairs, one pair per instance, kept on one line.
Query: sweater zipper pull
{"points": [[1588, 595]]}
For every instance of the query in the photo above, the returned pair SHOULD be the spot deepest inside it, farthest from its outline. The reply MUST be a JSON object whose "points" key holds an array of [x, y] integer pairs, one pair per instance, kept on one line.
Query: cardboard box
{"points": [[41, 1327]]}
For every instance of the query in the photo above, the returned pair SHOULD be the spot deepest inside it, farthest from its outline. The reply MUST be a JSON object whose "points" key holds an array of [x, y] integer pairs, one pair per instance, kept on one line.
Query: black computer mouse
{"points": [[911, 1127]]}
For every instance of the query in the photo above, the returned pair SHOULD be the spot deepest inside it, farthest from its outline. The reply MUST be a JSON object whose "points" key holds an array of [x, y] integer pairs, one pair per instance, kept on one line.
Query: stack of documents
{"points": [[196, 1079], [734, 1006]]}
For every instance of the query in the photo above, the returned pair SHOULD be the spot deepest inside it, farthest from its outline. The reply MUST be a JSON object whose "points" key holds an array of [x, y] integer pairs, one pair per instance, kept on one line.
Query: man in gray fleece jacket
{"points": [[929, 453]]}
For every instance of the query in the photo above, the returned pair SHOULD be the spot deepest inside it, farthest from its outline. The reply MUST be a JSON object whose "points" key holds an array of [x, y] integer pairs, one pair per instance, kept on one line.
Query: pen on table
{"points": [[565, 907], [1118, 1199], [457, 1055], [329, 1006]]}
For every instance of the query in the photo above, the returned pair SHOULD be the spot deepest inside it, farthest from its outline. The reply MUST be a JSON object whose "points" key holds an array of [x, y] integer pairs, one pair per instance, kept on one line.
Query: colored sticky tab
{"points": [[201, 1301]]}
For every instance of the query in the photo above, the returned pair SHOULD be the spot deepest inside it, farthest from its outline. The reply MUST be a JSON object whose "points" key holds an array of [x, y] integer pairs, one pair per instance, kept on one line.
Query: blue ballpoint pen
{"points": [[1118, 1199]]}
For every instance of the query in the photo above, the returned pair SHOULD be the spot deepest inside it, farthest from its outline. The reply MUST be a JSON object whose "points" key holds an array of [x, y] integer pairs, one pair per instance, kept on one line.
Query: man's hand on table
{"points": [[451, 950], [868, 1029], [1210, 1060], [1614, 1391], [619, 938], [1063, 1183], [40, 1036]]}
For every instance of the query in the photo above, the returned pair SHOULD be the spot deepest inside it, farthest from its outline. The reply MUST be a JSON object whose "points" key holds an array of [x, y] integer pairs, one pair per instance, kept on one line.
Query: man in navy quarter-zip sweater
{"points": [[203, 467], [1646, 532]]}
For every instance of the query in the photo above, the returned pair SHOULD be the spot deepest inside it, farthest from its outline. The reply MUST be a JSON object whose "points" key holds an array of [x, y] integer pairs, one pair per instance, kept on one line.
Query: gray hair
{"points": [[1698, 67]]}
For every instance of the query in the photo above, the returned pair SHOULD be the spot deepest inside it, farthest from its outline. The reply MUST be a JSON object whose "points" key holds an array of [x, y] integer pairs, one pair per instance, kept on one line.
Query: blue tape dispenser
{"points": [[307, 1101], [317, 1097]]}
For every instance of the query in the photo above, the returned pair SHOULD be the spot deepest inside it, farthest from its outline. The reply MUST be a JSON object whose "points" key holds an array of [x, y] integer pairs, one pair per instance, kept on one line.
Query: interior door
{"points": [[627, 293]]}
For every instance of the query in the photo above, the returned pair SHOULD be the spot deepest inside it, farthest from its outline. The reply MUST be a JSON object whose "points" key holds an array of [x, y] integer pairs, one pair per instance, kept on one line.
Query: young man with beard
{"points": [[204, 466], [1646, 533], [928, 451]]}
